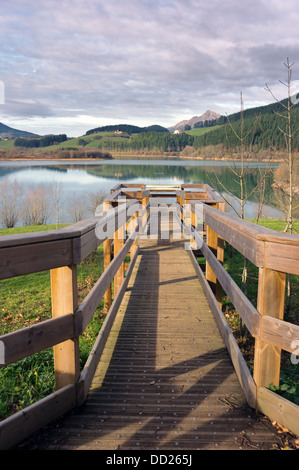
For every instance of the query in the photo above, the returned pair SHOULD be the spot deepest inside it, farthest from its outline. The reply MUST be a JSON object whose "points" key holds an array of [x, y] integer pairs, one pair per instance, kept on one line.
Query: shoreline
{"points": [[139, 157]]}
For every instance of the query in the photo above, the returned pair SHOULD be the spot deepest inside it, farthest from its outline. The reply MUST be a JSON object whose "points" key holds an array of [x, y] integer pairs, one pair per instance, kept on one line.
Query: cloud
{"points": [[140, 61]]}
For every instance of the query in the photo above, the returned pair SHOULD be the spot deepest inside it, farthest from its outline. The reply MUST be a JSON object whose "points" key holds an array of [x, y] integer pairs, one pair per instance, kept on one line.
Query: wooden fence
{"points": [[275, 254], [61, 251]]}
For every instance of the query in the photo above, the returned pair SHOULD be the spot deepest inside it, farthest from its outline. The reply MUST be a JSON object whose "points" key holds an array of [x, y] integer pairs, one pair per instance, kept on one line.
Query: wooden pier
{"points": [[165, 372]]}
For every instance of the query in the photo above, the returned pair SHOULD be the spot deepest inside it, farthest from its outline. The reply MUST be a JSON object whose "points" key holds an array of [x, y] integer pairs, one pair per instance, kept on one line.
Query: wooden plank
{"points": [[253, 241], [22, 343], [23, 423], [92, 300], [280, 333], [107, 261], [64, 302], [283, 256], [270, 302], [241, 236], [27, 259], [118, 245], [240, 366], [165, 378], [95, 354], [246, 310], [199, 195], [278, 409], [106, 225]]}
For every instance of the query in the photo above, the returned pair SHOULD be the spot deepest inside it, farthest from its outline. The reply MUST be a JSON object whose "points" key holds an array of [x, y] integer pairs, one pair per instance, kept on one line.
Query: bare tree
{"points": [[11, 193], [76, 207], [286, 185], [56, 197], [240, 171], [36, 206], [94, 200]]}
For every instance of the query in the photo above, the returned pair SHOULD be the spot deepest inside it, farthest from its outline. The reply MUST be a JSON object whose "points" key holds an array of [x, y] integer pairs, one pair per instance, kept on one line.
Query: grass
{"points": [[202, 130], [26, 300]]}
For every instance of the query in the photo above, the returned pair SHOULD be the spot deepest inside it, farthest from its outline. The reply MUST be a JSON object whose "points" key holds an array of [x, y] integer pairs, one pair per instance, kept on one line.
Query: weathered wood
{"points": [[90, 367], [118, 245], [92, 300], [31, 258], [215, 244], [278, 409], [107, 261], [270, 302], [23, 423], [64, 302], [242, 371], [22, 343], [280, 333], [246, 310], [283, 257], [165, 378]]}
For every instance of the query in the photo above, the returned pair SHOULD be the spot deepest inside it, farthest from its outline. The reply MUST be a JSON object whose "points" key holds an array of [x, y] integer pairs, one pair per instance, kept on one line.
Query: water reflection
{"points": [[79, 177]]}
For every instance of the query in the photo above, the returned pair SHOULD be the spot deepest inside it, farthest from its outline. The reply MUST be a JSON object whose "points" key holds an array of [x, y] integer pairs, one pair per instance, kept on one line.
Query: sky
{"points": [[68, 66]]}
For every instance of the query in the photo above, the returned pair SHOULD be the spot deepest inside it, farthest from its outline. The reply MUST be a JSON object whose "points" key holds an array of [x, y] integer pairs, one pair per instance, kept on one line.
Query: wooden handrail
{"points": [[262, 246], [275, 254], [60, 251], [28, 253], [67, 325]]}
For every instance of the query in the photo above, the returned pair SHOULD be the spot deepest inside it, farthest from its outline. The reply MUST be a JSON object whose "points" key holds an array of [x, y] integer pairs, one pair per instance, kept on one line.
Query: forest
{"points": [[40, 142]]}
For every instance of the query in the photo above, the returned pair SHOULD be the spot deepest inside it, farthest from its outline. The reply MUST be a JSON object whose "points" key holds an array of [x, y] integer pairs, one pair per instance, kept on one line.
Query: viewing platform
{"points": [[165, 372]]}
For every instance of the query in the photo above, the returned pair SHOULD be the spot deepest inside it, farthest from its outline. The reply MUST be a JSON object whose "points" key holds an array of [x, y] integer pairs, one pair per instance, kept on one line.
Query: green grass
{"points": [[202, 130], [26, 300]]}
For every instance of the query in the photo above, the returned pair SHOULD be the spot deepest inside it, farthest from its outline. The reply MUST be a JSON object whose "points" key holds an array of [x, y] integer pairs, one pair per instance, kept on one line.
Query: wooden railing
{"points": [[125, 213], [274, 254], [60, 252]]}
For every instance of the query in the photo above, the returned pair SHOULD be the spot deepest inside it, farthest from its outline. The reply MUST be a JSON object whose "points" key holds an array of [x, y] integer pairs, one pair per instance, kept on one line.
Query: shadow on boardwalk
{"points": [[165, 380]]}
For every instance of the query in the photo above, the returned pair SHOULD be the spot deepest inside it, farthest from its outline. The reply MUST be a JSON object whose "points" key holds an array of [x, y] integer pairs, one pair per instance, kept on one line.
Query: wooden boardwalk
{"points": [[165, 380]]}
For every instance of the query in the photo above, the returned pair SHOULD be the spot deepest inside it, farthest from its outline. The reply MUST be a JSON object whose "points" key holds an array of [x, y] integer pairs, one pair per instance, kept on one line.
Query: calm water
{"points": [[81, 177]]}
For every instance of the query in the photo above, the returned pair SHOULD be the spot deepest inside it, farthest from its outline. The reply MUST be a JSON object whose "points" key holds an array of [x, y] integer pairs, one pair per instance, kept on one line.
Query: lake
{"points": [[77, 178]]}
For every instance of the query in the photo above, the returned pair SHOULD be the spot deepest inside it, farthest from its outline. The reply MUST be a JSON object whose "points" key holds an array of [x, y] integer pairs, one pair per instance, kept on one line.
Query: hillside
{"points": [[6, 131], [262, 128]]}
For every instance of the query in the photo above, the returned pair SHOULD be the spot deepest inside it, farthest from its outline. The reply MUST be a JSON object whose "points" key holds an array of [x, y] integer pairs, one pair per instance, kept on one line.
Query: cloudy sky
{"points": [[68, 66]]}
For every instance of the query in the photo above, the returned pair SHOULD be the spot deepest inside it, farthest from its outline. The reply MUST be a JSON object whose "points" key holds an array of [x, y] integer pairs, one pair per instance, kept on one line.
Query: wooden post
{"points": [[118, 244], [271, 294], [64, 302], [144, 202], [107, 261], [216, 245]]}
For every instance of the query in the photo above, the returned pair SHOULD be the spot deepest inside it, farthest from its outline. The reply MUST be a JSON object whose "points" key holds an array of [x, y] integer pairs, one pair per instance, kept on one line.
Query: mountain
{"points": [[207, 116], [6, 131]]}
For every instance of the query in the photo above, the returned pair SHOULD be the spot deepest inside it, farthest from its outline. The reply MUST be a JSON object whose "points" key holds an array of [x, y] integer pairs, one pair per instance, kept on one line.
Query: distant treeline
{"points": [[41, 142], [129, 129], [163, 141]]}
